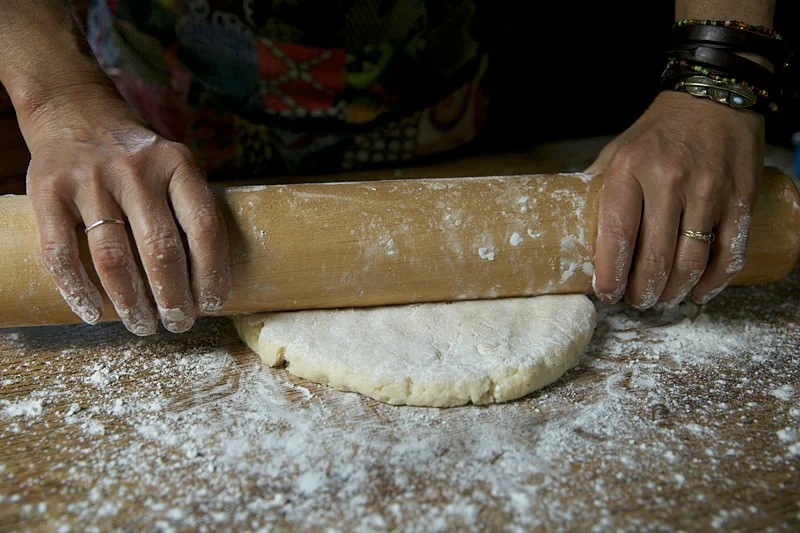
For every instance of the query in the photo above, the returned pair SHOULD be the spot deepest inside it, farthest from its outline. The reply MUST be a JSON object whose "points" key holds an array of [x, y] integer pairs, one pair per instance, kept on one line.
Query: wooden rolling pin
{"points": [[399, 241]]}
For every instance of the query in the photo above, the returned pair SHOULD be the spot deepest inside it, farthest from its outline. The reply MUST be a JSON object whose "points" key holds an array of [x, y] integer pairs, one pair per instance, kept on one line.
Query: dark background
{"points": [[577, 69]]}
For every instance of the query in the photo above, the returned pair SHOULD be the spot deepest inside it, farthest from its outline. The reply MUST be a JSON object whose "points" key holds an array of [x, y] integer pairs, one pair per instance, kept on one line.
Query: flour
{"points": [[157, 435], [28, 407], [784, 392], [487, 253], [250, 447]]}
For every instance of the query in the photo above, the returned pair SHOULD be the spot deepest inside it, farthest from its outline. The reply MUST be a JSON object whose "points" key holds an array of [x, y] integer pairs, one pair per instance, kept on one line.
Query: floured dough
{"points": [[440, 354]]}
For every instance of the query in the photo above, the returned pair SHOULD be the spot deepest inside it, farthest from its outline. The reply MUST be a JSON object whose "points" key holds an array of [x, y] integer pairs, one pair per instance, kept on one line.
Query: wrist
{"points": [[75, 111], [42, 86], [728, 61], [54, 60]]}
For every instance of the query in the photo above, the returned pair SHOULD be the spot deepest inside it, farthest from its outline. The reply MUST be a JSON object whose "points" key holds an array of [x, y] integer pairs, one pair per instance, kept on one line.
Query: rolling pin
{"points": [[356, 244]]}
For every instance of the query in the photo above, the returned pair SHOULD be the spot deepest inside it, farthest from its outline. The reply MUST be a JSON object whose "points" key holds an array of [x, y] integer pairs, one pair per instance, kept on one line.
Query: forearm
{"points": [[43, 54], [755, 12]]}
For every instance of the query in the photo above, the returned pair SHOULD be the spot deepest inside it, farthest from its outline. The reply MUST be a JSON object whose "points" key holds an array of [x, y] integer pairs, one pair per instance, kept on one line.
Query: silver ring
{"points": [[101, 222], [702, 236]]}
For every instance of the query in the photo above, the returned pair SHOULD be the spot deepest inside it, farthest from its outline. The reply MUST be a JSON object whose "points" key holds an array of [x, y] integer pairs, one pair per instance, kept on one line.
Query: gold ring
{"points": [[101, 222], [702, 236]]}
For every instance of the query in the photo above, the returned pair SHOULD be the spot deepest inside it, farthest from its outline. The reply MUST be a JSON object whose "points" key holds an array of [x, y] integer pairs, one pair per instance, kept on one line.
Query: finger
{"points": [[603, 159], [691, 255], [58, 242], [727, 253], [199, 216], [116, 267], [655, 249], [162, 255], [620, 212]]}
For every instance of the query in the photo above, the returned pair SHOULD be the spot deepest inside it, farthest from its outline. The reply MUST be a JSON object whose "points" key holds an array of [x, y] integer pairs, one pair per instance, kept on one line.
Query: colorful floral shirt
{"points": [[260, 87]]}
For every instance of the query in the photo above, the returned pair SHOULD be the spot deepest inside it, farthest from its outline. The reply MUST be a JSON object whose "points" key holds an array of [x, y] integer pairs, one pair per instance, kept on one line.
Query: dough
{"points": [[438, 354]]}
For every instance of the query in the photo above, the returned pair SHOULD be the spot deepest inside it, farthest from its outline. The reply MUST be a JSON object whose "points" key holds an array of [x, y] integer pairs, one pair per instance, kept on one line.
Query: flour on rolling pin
{"points": [[437, 239], [362, 244]]}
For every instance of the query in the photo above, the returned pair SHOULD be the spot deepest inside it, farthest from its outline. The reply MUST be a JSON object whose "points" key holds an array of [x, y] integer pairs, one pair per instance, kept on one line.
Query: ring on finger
{"points": [[702, 236], [102, 221]]}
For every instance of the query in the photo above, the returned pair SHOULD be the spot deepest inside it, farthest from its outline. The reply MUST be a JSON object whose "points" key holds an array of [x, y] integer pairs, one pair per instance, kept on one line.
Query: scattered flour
{"points": [[27, 407], [155, 434], [784, 392], [487, 253]]}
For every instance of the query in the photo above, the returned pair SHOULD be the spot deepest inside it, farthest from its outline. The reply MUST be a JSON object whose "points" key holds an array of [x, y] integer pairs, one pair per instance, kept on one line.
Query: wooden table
{"points": [[687, 421], [684, 421]]}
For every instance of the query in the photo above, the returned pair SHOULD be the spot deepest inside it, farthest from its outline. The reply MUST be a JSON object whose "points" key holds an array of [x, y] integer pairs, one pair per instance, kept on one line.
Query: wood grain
{"points": [[387, 242], [682, 441], [678, 422]]}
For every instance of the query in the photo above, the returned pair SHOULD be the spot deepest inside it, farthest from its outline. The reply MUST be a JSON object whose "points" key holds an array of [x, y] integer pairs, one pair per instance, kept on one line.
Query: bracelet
{"points": [[732, 94], [774, 49], [733, 24], [724, 61], [705, 61], [682, 69], [679, 71]]}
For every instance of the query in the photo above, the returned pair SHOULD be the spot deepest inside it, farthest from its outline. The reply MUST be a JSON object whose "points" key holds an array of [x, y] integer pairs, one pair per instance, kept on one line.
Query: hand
{"points": [[92, 159], [686, 164]]}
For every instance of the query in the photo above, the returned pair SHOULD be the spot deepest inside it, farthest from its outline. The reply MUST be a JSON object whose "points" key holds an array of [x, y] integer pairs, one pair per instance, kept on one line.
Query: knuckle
{"points": [[162, 246], [57, 258], [690, 263], [94, 182], [653, 261], [183, 161], [626, 159], [670, 175], [205, 223], [178, 150], [613, 231], [710, 189], [111, 255], [46, 187], [627, 153]]}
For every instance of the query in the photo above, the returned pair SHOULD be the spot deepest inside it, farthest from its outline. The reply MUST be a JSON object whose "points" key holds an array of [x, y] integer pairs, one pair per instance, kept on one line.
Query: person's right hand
{"points": [[93, 159]]}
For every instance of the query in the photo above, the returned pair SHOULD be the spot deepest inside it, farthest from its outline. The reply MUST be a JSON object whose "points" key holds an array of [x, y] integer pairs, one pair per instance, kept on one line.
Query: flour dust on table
{"points": [[433, 354]]}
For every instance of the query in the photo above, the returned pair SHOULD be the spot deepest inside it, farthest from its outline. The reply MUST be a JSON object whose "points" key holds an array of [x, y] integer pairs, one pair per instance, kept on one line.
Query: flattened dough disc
{"points": [[437, 354]]}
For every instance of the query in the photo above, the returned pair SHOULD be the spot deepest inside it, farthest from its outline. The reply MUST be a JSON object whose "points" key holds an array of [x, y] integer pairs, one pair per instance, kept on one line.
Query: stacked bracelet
{"points": [[705, 61]]}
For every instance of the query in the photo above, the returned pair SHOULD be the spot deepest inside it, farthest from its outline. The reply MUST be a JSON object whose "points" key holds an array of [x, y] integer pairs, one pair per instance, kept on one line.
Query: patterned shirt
{"points": [[260, 87]]}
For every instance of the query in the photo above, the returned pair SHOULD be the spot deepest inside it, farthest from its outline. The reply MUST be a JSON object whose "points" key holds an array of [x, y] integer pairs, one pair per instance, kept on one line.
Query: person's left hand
{"points": [[686, 164]]}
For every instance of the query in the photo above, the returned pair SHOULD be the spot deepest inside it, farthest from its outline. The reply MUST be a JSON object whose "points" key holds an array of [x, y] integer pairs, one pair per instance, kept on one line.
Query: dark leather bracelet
{"points": [[774, 50], [727, 63]]}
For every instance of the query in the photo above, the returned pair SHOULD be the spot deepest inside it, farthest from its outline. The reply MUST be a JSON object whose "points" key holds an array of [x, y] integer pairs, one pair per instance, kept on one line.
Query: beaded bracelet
{"points": [[678, 70], [734, 24], [711, 49]]}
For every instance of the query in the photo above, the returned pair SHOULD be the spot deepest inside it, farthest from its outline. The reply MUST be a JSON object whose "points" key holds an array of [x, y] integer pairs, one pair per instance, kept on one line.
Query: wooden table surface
{"points": [[686, 421]]}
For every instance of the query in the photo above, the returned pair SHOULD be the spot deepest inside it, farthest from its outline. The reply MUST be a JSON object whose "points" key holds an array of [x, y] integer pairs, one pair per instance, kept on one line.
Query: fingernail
{"points": [[711, 295], [177, 319], [666, 306], [139, 320], [88, 306], [609, 297], [210, 303]]}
